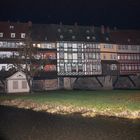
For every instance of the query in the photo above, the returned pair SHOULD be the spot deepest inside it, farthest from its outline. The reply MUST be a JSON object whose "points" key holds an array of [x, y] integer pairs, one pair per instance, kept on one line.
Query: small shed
{"points": [[17, 83]]}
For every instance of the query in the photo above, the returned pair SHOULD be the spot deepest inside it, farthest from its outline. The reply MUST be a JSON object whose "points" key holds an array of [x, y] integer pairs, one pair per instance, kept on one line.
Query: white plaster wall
{"points": [[19, 89]]}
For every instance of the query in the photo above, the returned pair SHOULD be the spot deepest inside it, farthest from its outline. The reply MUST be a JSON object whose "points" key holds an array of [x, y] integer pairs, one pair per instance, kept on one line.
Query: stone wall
{"points": [[88, 83], [124, 82], [91, 83], [43, 85]]}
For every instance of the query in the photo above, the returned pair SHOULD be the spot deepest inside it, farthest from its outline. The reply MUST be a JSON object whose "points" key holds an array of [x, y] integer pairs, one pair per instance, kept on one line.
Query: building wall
{"points": [[51, 84], [16, 86], [44, 85], [108, 51], [76, 58], [129, 59]]}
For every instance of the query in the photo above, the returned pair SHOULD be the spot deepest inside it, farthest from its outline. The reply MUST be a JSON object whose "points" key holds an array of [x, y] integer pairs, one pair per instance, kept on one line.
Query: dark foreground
{"points": [[19, 124]]}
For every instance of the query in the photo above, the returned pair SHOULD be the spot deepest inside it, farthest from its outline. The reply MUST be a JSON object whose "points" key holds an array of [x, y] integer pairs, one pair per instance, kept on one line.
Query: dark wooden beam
{"points": [[99, 81], [131, 80]]}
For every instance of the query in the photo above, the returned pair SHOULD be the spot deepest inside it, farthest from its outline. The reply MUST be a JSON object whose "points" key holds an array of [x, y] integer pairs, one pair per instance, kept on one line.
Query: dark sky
{"points": [[119, 13]]}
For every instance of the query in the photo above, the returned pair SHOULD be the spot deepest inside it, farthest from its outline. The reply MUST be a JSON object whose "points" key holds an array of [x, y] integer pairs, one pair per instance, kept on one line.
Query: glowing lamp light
{"points": [[38, 45]]}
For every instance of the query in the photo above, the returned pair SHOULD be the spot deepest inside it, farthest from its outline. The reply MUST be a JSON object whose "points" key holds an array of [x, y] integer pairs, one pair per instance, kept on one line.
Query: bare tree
{"points": [[26, 59]]}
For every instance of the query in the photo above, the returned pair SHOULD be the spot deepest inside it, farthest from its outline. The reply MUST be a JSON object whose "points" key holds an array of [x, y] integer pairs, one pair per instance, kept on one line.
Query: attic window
{"points": [[1, 34], [46, 38], [38, 45], [73, 37], [11, 27], [61, 36], [87, 31], [128, 40], [107, 38], [13, 35], [93, 37], [22, 35], [70, 31], [88, 37], [59, 30]]}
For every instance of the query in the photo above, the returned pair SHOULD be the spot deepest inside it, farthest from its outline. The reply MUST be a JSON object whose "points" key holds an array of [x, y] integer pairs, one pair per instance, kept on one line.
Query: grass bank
{"points": [[122, 103]]}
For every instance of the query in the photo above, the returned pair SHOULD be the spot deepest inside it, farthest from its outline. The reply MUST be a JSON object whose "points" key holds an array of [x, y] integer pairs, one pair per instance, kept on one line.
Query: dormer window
{"points": [[70, 30], [13, 35], [88, 37], [1, 34], [59, 30], [61, 36], [93, 37], [107, 38], [87, 31], [46, 38], [73, 37], [11, 27], [22, 35], [128, 40]]}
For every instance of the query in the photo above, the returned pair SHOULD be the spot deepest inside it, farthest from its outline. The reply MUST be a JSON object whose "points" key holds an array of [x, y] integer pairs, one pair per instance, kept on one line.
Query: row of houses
{"points": [[77, 56]]}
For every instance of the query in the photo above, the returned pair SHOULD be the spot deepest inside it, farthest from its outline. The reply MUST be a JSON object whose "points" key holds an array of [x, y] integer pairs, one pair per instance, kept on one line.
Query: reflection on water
{"points": [[18, 124]]}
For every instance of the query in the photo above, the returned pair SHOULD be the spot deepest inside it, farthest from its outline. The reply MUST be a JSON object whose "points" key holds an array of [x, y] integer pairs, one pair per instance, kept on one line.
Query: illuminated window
{"points": [[88, 37], [107, 38], [61, 68], [113, 67], [87, 31], [34, 45], [38, 45], [46, 38], [69, 68], [61, 36], [93, 37], [13, 35], [61, 55], [70, 31], [80, 68], [73, 37], [73, 67], [11, 27], [1, 34], [59, 30], [22, 35]]}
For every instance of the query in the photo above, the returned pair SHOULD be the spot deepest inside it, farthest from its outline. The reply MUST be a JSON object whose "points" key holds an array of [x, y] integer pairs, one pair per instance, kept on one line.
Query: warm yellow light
{"points": [[38, 45]]}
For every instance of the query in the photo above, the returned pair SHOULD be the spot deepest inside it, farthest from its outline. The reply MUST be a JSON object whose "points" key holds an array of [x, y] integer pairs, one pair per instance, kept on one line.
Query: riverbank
{"points": [[21, 124], [87, 104]]}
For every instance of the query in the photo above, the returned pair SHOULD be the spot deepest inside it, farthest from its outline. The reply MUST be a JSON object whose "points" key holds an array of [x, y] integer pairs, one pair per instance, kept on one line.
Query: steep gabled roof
{"points": [[125, 37]]}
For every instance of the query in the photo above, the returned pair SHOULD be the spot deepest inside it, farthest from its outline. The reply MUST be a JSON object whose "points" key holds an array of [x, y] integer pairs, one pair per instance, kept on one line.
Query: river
{"points": [[20, 124]]}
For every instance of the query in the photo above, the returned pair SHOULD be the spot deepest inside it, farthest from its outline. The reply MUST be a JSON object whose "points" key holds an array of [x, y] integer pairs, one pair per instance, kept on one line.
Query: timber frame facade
{"points": [[66, 53]]}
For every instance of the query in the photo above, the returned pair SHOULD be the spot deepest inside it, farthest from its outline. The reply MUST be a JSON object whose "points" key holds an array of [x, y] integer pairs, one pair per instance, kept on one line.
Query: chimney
{"points": [[102, 29]]}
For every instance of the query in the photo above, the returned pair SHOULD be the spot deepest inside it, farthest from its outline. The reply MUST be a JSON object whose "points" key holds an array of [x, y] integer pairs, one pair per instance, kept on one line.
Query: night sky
{"points": [[119, 13]]}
